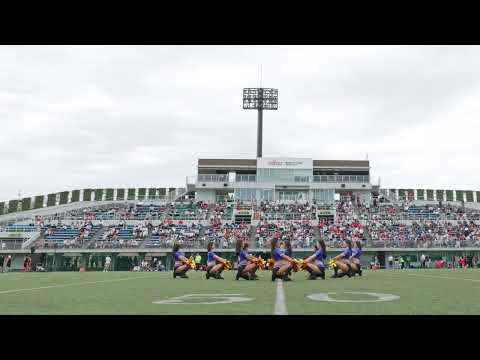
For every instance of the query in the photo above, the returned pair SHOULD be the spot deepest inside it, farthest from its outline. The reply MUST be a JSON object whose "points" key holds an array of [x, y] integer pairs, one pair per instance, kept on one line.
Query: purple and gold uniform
{"points": [[177, 256], [277, 257], [356, 255], [242, 258], [320, 256], [211, 258]]}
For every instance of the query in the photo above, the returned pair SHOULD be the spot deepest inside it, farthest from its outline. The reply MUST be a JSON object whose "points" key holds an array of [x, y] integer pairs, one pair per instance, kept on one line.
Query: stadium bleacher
{"points": [[20, 228], [67, 235], [193, 224]]}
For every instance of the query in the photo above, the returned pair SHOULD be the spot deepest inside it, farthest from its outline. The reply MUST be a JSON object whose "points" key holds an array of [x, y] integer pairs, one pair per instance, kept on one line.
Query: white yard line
{"points": [[280, 305], [444, 277], [20, 278], [69, 284], [7, 277]]}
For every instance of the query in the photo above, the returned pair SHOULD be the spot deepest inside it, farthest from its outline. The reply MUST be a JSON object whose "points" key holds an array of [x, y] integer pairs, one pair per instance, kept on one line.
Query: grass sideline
{"points": [[423, 292]]}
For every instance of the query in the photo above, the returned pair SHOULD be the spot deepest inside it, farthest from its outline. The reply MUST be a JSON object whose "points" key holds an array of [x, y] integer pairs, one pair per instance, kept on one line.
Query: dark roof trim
{"points": [[227, 162], [253, 163], [341, 163]]}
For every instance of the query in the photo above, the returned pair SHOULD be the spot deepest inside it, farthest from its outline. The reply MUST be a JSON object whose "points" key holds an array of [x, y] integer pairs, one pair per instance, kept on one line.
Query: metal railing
{"points": [[245, 178], [341, 178], [287, 216], [212, 178], [301, 179], [418, 217], [11, 244]]}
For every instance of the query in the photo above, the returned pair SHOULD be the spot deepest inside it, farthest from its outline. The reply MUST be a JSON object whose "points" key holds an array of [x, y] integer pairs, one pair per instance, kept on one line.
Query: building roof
{"points": [[227, 162], [210, 163]]}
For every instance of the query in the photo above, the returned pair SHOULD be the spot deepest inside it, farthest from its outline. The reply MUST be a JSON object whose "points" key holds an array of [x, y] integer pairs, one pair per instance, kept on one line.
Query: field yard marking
{"points": [[444, 277], [227, 299], [379, 296], [71, 284], [280, 305], [19, 278]]}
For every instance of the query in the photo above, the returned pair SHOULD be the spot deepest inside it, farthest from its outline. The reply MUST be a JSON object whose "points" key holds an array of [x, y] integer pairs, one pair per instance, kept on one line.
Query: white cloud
{"points": [[93, 116]]}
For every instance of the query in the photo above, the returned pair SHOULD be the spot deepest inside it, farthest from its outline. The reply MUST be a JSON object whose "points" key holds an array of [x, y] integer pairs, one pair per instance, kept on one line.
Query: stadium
{"points": [[420, 247]]}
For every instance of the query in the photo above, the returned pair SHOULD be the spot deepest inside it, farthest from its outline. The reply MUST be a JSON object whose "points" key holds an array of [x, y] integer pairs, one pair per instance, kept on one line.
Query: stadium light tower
{"points": [[260, 99]]}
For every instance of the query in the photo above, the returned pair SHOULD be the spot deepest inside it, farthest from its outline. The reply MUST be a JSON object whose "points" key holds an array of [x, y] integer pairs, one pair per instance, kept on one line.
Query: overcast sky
{"points": [[140, 116]]}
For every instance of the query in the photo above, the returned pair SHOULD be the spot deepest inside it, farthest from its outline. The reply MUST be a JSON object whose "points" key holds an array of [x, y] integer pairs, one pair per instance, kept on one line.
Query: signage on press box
{"points": [[284, 163]]}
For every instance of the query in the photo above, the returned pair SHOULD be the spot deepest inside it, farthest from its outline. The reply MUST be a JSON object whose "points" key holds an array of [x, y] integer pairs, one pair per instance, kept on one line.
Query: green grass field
{"points": [[417, 292]]}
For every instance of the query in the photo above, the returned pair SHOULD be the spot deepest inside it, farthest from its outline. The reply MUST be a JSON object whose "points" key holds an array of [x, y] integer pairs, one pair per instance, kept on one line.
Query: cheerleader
{"points": [[282, 262], [180, 266], [315, 263], [355, 259], [215, 264], [246, 265], [287, 250], [343, 262]]}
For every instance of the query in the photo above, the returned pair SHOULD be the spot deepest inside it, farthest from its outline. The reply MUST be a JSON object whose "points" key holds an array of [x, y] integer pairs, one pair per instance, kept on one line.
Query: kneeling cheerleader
{"points": [[287, 250], [315, 263], [341, 261], [181, 263], [282, 263], [355, 259], [215, 263], [247, 264]]}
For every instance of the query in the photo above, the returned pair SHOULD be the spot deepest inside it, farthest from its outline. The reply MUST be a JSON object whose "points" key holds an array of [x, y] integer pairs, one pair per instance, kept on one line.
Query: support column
{"points": [[85, 261], [168, 263], [260, 123], [259, 133]]}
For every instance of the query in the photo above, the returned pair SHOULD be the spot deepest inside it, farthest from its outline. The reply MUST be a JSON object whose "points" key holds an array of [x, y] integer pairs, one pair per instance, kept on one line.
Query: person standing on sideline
{"points": [[108, 261], [422, 261], [390, 261], [7, 263], [160, 266], [402, 262], [198, 260]]}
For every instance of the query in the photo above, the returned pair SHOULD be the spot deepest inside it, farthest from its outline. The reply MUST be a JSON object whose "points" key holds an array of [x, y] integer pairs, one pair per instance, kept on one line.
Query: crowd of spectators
{"points": [[225, 235], [166, 234], [221, 211], [424, 234], [408, 211], [266, 211], [175, 210], [378, 224], [409, 225], [71, 236], [299, 233], [346, 226]]}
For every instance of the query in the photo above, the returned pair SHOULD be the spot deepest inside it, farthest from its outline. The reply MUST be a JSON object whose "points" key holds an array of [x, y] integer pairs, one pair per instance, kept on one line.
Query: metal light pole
{"points": [[260, 123], [260, 99]]}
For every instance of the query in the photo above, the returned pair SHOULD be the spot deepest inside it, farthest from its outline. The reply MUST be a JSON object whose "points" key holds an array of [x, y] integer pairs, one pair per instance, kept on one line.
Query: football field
{"points": [[379, 292]]}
